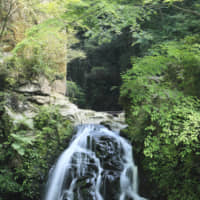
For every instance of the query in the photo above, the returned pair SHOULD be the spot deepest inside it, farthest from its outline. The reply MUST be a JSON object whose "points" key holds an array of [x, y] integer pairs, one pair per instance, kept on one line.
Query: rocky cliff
{"points": [[27, 100]]}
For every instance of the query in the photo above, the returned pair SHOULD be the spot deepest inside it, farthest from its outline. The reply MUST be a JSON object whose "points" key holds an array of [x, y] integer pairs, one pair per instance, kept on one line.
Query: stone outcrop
{"points": [[59, 86], [41, 86], [18, 17], [40, 93]]}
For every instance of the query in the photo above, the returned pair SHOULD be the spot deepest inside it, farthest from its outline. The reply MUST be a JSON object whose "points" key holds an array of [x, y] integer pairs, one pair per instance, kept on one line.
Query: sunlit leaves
{"points": [[20, 143], [167, 1], [27, 153], [164, 115], [103, 20]]}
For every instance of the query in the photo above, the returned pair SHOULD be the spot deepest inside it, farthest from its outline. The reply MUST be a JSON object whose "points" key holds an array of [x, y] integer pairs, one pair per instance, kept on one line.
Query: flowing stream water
{"points": [[97, 165]]}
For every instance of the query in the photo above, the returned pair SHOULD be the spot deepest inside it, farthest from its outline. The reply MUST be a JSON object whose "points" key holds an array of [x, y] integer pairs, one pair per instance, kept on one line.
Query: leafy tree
{"points": [[159, 94], [42, 51], [7, 9], [125, 35]]}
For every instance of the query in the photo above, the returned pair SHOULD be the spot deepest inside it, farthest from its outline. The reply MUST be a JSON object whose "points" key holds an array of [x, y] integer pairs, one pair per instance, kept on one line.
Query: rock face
{"points": [[59, 86], [40, 92], [42, 87]]}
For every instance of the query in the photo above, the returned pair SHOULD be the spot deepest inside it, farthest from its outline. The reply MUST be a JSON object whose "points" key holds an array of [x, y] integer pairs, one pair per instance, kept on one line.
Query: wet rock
{"points": [[111, 184], [107, 150]]}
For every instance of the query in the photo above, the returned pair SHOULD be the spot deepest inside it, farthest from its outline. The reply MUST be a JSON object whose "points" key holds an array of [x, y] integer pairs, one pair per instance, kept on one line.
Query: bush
{"points": [[42, 52], [28, 153], [75, 93], [163, 113], [6, 76]]}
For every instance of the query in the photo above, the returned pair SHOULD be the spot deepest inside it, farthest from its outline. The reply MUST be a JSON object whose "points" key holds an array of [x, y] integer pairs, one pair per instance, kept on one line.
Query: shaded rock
{"points": [[7, 48], [40, 87], [111, 184], [30, 88], [40, 99], [59, 86]]}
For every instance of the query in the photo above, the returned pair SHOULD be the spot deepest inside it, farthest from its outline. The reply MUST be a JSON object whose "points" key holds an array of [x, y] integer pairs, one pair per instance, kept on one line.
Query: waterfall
{"points": [[98, 165]]}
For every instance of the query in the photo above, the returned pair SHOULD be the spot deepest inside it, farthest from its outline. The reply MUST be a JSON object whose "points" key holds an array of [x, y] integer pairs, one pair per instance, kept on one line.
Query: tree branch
{"points": [[6, 19], [186, 10]]}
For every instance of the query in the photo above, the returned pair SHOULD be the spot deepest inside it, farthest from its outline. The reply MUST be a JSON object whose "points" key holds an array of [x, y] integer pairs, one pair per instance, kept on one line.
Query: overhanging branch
{"points": [[187, 10]]}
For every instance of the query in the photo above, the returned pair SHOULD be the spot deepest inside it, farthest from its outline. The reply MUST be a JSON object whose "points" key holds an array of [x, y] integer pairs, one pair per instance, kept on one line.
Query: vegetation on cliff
{"points": [[161, 97], [27, 151]]}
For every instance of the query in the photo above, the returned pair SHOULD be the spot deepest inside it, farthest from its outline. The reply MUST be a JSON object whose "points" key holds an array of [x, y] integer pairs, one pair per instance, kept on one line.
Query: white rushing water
{"points": [[84, 171]]}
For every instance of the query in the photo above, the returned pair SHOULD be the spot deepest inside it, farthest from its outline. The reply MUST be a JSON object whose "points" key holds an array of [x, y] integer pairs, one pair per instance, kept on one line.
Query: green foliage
{"points": [[7, 182], [159, 94], [112, 32], [75, 93], [4, 74], [103, 20], [41, 52], [170, 149], [28, 153], [99, 72]]}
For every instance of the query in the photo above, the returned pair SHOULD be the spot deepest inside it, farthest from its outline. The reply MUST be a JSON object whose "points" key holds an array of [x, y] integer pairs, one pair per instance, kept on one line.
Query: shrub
{"points": [[160, 96], [42, 52], [28, 153]]}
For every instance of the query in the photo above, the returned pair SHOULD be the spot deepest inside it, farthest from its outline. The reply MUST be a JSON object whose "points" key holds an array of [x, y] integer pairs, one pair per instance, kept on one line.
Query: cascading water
{"points": [[98, 165]]}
